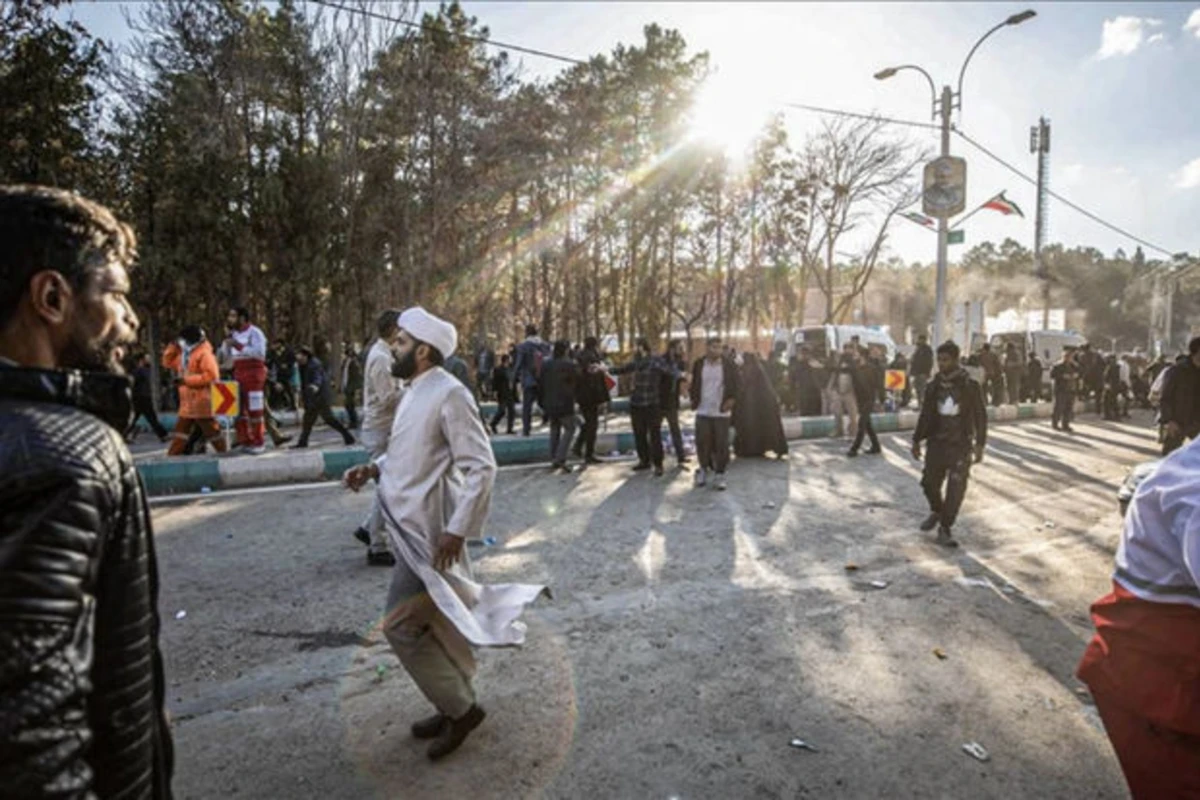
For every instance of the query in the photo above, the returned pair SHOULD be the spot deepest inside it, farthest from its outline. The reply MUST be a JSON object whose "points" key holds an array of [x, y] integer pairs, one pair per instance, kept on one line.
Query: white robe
{"points": [[435, 478]]}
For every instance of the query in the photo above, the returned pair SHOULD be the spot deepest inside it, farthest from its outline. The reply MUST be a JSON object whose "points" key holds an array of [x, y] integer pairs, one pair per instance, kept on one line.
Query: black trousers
{"points": [[1064, 409], [865, 428], [144, 407], [950, 466], [351, 412], [672, 417], [320, 408], [505, 407], [647, 434], [585, 445]]}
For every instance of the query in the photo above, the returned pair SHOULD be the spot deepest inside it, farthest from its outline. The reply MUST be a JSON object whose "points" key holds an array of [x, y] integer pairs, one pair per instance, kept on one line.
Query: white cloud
{"points": [[1188, 177], [1122, 36], [1193, 23]]}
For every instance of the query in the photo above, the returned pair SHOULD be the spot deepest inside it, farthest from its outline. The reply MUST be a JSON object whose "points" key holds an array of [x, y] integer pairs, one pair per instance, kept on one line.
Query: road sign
{"points": [[955, 237], [945, 187], [225, 399], [895, 380]]}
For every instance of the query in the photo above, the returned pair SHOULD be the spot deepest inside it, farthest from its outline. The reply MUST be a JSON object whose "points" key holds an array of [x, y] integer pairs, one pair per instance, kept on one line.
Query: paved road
{"points": [[691, 636]]}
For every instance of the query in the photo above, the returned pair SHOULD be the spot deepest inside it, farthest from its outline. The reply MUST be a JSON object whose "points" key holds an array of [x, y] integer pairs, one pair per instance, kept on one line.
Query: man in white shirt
{"points": [[713, 391], [381, 395], [246, 346], [435, 487]]}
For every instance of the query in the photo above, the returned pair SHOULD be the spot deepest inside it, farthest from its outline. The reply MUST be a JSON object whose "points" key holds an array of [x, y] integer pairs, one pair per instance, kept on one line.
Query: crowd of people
{"points": [[83, 686]]}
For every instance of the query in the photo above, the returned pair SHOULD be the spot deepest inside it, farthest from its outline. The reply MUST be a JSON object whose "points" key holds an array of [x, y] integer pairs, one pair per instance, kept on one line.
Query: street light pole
{"points": [[943, 233], [946, 108]]}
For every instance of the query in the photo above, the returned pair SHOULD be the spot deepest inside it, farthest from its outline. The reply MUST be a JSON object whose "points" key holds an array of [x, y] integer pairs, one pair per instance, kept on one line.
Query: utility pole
{"points": [[943, 232], [1039, 142]]}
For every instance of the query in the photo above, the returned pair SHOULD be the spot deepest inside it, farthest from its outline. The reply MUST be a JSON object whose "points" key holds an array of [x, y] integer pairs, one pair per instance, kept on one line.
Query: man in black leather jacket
{"points": [[81, 680]]}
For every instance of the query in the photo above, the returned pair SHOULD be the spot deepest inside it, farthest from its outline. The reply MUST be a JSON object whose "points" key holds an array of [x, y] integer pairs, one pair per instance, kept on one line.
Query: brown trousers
{"points": [[183, 429]]}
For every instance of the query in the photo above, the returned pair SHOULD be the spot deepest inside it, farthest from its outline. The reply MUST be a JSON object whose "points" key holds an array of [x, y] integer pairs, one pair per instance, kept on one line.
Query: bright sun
{"points": [[729, 114]]}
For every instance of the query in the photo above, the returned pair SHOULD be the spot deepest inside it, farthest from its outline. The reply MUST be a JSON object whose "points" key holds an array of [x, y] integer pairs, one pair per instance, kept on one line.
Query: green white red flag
{"points": [[1004, 206]]}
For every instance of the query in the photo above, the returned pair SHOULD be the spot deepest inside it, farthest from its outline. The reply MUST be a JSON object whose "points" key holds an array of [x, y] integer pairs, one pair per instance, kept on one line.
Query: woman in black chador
{"points": [[756, 419]]}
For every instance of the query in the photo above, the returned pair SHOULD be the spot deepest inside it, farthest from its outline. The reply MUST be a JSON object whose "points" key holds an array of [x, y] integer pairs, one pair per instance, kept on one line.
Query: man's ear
{"points": [[51, 296]]}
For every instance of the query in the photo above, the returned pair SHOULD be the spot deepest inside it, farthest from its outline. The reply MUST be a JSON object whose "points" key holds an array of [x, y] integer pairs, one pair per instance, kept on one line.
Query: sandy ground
{"points": [[691, 636]]}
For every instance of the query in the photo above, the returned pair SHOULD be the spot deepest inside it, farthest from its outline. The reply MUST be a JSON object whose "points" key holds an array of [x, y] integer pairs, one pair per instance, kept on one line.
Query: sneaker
{"points": [[700, 477], [875, 451], [945, 538], [852, 454], [350, 441], [641, 466], [362, 535], [719, 482], [931, 522], [455, 732], [384, 559], [658, 471], [282, 440], [592, 460]]}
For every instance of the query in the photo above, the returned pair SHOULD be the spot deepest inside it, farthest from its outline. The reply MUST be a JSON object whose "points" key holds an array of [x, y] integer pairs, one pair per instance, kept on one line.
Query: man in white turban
{"points": [[435, 485]]}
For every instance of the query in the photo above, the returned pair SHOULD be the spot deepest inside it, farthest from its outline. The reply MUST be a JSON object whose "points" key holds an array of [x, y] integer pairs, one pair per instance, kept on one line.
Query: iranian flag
{"points": [[918, 218], [1004, 205]]}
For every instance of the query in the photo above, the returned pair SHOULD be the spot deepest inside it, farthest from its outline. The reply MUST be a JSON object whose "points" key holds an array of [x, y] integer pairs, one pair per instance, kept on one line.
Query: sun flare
{"points": [[729, 114]]}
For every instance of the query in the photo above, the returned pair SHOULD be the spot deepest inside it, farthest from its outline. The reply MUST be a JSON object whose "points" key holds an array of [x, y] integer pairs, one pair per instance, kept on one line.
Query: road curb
{"points": [[190, 474]]}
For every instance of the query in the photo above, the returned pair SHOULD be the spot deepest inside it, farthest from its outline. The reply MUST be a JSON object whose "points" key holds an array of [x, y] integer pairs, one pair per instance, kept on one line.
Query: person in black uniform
{"points": [[866, 380], [317, 396], [143, 399], [506, 398], [1064, 377]]}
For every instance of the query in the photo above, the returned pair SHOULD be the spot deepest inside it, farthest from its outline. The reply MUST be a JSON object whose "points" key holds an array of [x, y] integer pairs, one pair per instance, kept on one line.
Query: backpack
{"points": [[539, 356]]}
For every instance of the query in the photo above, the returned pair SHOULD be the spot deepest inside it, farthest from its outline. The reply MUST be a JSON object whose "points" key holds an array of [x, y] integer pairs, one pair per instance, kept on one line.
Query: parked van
{"points": [[823, 340]]}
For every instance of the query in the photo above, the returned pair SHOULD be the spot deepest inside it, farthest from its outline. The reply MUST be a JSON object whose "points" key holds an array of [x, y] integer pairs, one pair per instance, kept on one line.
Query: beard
{"points": [[405, 366], [88, 355]]}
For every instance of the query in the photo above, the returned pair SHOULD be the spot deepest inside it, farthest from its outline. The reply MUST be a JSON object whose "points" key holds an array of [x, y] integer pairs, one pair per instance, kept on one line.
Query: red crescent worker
{"points": [[247, 347], [1143, 665]]}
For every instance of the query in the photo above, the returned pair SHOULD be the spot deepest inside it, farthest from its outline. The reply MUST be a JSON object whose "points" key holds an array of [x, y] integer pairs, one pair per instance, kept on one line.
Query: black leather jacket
{"points": [[81, 680]]}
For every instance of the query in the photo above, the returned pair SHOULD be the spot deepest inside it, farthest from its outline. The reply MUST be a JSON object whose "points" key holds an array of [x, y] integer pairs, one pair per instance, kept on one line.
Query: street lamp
{"points": [[943, 108]]}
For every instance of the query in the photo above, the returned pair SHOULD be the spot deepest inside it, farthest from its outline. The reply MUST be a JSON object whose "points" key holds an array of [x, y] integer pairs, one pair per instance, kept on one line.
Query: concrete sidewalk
{"points": [[165, 475]]}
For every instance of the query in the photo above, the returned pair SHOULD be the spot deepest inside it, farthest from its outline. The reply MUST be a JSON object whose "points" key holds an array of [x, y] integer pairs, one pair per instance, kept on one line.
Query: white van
{"points": [[826, 339]]}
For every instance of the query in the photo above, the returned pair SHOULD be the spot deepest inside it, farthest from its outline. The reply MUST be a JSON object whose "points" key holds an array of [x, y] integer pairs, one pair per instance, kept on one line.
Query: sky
{"points": [[1117, 81]]}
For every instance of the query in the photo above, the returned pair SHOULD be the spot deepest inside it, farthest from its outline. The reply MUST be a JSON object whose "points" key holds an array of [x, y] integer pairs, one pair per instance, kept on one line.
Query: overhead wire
{"points": [[798, 106], [1016, 171]]}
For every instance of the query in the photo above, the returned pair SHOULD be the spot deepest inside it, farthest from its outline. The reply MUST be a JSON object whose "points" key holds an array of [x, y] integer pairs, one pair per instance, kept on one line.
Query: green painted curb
{"points": [[164, 477]]}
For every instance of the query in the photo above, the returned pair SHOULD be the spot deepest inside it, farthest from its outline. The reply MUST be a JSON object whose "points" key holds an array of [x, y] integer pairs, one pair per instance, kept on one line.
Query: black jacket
{"points": [[81, 680], [922, 360], [315, 383], [868, 378], [1181, 398], [502, 384], [732, 381], [593, 391], [972, 412], [560, 378]]}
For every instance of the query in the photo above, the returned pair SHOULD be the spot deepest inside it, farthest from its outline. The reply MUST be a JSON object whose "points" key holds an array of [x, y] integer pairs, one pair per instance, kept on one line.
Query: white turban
{"points": [[436, 333]]}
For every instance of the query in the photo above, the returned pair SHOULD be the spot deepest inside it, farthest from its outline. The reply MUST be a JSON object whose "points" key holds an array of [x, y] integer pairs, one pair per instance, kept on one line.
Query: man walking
{"points": [[645, 405], [713, 392], [954, 422], [593, 393], [1142, 663], [993, 375], [673, 358], [531, 354], [921, 366], [192, 358], [1180, 405], [560, 383], [506, 400], [351, 383], [1033, 379], [841, 389], [246, 346], [485, 363], [1014, 373], [381, 395], [866, 379], [317, 396], [1064, 378], [435, 486], [143, 397], [81, 676]]}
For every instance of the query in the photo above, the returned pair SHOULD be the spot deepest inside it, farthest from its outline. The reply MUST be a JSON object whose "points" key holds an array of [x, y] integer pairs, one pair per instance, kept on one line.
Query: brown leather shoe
{"points": [[455, 733], [431, 727]]}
